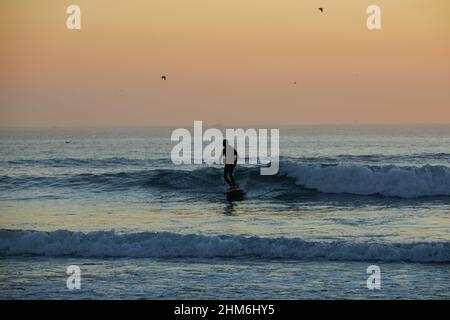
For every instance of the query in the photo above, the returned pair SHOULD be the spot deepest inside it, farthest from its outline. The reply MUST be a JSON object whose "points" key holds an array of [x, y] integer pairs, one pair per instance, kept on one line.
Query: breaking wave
{"points": [[390, 181], [357, 179], [172, 245]]}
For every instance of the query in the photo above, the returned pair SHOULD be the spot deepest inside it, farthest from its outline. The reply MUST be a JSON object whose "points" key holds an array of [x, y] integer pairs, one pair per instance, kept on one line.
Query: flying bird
{"points": [[321, 9], [163, 77]]}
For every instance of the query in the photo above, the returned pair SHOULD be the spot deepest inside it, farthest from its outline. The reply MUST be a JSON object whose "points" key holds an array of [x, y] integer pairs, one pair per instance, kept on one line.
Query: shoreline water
{"points": [[122, 278]]}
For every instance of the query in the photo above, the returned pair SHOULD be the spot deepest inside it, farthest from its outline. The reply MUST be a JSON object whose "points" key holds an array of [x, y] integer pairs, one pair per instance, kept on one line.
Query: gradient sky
{"points": [[228, 62]]}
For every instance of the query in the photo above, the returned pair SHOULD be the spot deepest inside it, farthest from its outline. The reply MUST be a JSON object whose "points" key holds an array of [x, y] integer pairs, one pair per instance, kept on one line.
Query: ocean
{"points": [[110, 201]]}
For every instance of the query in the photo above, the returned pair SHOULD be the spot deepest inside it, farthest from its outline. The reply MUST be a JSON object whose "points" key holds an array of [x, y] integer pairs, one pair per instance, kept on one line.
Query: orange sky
{"points": [[228, 62]]}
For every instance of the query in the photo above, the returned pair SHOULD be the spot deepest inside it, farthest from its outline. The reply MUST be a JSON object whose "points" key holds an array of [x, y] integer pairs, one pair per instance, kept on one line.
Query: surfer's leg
{"points": [[230, 172], [225, 175]]}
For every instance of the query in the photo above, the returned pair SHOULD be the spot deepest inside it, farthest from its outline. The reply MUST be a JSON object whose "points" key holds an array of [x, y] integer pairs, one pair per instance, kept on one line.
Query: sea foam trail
{"points": [[164, 244]]}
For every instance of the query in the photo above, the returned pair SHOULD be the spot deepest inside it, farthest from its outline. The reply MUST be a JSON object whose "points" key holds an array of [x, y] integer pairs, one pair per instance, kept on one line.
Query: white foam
{"points": [[405, 182], [153, 244]]}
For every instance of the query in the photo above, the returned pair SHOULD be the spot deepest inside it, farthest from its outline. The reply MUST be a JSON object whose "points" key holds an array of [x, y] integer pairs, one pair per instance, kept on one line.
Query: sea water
{"points": [[111, 202]]}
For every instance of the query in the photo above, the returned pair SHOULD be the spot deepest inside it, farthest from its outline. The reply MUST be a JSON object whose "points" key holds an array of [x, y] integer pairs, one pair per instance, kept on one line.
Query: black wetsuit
{"points": [[228, 170]]}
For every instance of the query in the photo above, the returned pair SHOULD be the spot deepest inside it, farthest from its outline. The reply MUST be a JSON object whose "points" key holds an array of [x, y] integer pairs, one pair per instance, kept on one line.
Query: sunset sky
{"points": [[228, 62]]}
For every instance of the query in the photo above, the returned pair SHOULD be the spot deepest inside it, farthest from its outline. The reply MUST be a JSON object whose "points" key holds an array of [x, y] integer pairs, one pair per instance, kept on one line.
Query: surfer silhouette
{"points": [[231, 157]]}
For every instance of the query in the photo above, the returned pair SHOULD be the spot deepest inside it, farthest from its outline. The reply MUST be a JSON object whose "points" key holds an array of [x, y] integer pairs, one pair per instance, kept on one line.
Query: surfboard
{"points": [[234, 194]]}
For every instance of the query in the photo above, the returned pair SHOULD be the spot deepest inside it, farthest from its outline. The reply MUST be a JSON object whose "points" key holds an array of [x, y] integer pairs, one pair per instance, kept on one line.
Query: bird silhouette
{"points": [[163, 77], [321, 9]]}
